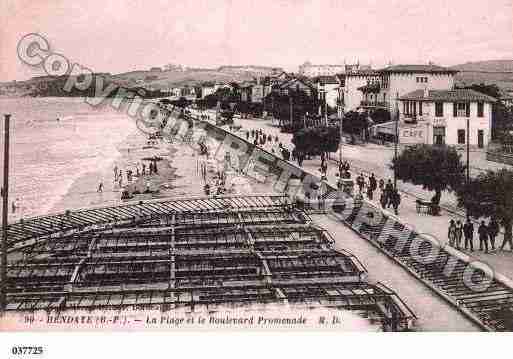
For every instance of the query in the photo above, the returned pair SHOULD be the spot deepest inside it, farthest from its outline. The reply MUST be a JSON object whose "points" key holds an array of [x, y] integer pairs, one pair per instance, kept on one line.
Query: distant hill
{"points": [[166, 79], [499, 72], [154, 79]]}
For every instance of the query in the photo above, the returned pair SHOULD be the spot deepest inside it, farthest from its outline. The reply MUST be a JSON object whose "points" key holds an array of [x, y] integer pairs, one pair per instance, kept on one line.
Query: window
{"points": [[439, 109], [461, 137], [461, 109], [422, 79], [480, 109]]}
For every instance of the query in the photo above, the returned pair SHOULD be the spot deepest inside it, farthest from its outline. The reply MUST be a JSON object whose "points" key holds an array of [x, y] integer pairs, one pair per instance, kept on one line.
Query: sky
{"points": [[117, 36]]}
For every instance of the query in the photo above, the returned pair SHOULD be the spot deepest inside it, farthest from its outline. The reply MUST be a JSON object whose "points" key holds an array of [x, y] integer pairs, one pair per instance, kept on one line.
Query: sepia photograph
{"points": [[255, 166]]}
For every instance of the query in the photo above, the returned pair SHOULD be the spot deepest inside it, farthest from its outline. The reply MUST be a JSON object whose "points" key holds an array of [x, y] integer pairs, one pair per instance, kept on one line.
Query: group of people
{"points": [[389, 196], [260, 138], [143, 171], [487, 233]]}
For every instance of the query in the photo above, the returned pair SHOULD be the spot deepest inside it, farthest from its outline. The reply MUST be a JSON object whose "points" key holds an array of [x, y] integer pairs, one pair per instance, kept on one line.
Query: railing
{"points": [[374, 104]]}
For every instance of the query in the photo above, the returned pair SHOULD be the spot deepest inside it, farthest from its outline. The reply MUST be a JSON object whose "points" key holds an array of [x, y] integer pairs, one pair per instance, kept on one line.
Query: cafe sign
{"points": [[438, 122], [412, 134]]}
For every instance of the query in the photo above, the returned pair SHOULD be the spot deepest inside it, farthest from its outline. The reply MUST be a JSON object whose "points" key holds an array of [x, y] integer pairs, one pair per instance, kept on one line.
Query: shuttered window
{"points": [[480, 109], [439, 109]]}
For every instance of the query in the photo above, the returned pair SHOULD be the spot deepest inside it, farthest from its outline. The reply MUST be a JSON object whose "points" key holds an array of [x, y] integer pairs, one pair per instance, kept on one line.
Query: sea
{"points": [[55, 141]]}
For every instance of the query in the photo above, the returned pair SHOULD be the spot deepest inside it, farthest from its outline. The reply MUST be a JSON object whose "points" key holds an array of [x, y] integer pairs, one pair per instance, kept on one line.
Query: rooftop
{"points": [[362, 72], [326, 80], [191, 252], [418, 69], [448, 96]]}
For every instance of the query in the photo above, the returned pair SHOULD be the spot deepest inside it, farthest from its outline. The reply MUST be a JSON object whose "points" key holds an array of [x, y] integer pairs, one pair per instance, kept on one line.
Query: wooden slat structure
{"points": [[490, 305], [196, 252]]}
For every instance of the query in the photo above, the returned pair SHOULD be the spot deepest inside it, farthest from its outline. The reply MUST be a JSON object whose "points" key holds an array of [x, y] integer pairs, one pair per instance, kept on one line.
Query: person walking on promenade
{"points": [[389, 190], [451, 233], [360, 181], [396, 200], [459, 233], [383, 200], [372, 186], [468, 231], [482, 231], [381, 185], [493, 230]]}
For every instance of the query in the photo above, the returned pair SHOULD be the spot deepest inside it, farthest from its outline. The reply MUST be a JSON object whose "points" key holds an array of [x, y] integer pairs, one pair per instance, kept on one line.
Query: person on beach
{"points": [[115, 172], [482, 231], [381, 185], [493, 230], [451, 233], [468, 232], [459, 233], [100, 187], [14, 205]]}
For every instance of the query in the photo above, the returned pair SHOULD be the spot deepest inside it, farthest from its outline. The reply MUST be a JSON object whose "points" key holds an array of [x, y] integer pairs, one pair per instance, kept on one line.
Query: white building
{"points": [[398, 80], [371, 89], [327, 87], [207, 89], [353, 84], [309, 70], [440, 117]]}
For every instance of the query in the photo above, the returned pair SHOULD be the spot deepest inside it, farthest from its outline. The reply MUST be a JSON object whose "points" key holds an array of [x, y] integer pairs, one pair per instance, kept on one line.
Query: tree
{"points": [[299, 101], [380, 115], [354, 123], [435, 168], [182, 102], [316, 140], [490, 195]]}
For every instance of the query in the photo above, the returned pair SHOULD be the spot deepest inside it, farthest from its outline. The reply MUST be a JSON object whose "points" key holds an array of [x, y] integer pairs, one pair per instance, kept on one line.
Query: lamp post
{"points": [[396, 113], [5, 209], [468, 150]]}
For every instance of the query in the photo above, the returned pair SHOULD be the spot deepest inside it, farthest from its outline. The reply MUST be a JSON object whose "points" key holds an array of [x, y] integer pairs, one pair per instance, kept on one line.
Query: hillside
{"points": [[499, 72], [166, 79]]}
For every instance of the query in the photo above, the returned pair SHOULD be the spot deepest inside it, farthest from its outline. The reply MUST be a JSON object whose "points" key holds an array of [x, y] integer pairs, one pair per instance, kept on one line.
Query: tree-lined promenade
{"points": [[378, 160]]}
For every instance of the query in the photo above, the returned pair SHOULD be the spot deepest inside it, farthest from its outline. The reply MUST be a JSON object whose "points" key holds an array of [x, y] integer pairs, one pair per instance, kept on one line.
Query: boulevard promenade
{"points": [[374, 159]]}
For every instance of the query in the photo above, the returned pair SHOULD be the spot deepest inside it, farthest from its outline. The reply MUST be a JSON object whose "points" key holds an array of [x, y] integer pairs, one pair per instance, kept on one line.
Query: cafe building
{"points": [[444, 117]]}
